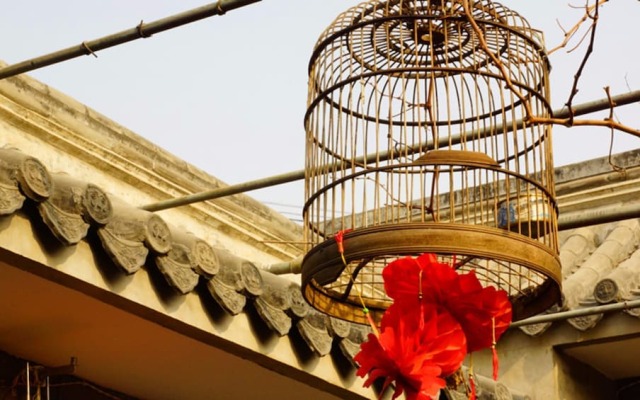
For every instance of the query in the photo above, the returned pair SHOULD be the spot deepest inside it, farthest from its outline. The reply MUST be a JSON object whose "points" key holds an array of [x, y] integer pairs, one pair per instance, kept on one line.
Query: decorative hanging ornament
{"points": [[483, 312], [437, 317], [414, 351]]}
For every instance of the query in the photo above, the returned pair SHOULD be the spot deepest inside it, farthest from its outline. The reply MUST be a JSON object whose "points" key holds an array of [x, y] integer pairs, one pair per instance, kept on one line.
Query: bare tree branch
{"points": [[612, 106], [591, 13], [587, 122], [568, 35], [594, 24]]}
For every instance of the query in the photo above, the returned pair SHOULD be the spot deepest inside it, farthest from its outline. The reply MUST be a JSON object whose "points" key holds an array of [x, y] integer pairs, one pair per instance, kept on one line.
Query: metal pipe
{"points": [[564, 315], [226, 191], [599, 105], [580, 109], [601, 215], [288, 267], [141, 31]]}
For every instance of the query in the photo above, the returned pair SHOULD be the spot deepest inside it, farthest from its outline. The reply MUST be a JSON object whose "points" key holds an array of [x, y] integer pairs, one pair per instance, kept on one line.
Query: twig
{"points": [[568, 35], [586, 122], [583, 63], [627, 84], [570, 121], [612, 105]]}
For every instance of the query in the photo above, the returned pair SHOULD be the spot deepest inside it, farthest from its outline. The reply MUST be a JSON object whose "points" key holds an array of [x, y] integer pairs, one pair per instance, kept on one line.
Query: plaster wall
{"points": [[582, 382], [537, 367]]}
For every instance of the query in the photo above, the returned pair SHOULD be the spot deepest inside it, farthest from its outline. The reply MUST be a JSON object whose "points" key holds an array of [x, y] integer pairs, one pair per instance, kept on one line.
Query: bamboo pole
{"points": [[139, 32]]}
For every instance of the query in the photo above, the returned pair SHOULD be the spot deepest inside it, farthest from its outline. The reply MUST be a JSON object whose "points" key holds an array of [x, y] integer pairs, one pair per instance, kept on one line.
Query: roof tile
{"points": [[615, 248]]}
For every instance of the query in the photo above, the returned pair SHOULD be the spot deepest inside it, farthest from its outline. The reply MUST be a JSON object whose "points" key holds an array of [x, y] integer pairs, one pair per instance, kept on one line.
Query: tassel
{"points": [[339, 238], [420, 299], [373, 325], [472, 388], [494, 352], [495, 363], [472, 383]]}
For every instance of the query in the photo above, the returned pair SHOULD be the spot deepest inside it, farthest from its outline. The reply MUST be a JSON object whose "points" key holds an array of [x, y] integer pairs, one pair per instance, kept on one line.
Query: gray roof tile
{"points": [[134, 238]]}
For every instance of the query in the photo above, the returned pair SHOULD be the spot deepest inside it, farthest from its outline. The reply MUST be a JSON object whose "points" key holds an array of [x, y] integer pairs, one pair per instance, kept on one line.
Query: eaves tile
{"points": [[134, 239]]}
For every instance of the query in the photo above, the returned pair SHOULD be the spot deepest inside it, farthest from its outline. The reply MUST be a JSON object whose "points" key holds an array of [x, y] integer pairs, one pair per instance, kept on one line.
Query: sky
{"points": [[228, 94]]}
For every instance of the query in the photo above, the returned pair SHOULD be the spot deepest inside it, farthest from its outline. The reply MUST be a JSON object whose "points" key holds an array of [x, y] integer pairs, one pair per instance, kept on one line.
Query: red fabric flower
{"points": [[483, 312], [415, 350], [411, 280], [417, 282], [437, 316]]}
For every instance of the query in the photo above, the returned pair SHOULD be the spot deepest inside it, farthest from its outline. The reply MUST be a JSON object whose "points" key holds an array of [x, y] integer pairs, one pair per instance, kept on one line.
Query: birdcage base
{"points": [[526, 269]]}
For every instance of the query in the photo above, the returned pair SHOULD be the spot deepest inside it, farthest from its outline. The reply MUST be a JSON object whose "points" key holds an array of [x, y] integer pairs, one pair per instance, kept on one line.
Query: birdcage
{"points": [[419, 141]]}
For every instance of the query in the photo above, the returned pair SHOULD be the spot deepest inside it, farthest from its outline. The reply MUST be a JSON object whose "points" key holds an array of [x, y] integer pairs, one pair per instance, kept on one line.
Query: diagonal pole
{"points": [[141, 31]]}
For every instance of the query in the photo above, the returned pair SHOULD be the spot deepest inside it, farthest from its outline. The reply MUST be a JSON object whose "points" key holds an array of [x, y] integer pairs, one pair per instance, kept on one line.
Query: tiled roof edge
{"points": [[134, 238]]}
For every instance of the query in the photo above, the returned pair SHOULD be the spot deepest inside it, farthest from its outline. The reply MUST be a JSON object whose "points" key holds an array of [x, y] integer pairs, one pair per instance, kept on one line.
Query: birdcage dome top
{"points": [[434, 10], [387, 43], [437, 35]]}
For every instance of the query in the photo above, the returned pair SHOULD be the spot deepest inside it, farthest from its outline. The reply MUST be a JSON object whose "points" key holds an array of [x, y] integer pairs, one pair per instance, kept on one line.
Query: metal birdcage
{"points": [[417, 141]]}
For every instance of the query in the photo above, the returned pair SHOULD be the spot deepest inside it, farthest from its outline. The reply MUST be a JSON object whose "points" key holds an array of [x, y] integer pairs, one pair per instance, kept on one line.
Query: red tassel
{"points": [[495, 363], [494, 352], [339, 237], [472, 383], [472, 388]]}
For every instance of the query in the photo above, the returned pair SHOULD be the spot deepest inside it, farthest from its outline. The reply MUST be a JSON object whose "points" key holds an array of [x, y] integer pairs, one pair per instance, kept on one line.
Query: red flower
{"points": [[437, 316], [413, 280], [415, 350], [483, 312], [417, 282]]}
